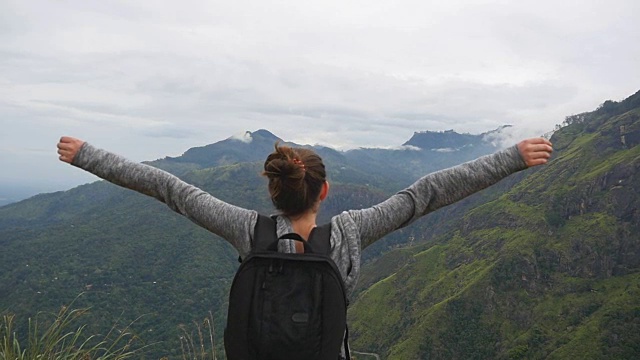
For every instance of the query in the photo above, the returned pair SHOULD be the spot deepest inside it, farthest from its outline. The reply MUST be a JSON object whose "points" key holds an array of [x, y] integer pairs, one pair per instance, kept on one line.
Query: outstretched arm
{"points": [[233, 223], [447, 186]]}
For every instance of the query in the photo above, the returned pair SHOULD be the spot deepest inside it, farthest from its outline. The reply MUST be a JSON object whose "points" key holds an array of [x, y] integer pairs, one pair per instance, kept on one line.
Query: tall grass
{"points": [[194, 344], [58, 339]]}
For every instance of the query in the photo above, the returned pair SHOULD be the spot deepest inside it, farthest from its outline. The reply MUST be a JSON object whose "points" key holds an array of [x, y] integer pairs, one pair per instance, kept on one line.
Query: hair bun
{"points": [[296, 177], [282, 164]]}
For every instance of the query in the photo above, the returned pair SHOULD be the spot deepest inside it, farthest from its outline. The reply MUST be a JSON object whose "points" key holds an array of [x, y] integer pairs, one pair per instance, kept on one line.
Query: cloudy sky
{"points": [[150, 79]]}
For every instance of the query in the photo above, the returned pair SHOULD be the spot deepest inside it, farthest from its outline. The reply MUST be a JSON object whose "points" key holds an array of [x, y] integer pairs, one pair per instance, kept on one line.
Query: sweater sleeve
{"points": [[232, 223], [434, 191]]}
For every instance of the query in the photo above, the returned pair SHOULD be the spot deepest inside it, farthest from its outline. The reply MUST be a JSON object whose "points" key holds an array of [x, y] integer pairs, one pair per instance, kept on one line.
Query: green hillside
{"points": [[550, 268]]}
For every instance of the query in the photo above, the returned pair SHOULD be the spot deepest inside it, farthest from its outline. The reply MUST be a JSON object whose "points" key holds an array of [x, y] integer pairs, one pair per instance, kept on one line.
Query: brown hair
{"points": [[296, 177]]}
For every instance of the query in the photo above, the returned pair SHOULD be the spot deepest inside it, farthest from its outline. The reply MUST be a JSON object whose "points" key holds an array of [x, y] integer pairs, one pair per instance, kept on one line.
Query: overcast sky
{"points": [[149, 79]]}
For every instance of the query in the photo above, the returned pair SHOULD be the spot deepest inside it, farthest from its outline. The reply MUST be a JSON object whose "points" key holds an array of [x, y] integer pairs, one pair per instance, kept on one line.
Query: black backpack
{"points": [[287, 306]]}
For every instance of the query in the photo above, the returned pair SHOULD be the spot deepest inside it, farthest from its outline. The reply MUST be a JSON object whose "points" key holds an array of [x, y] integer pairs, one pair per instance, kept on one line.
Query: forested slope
{"points": [[546, 265]]}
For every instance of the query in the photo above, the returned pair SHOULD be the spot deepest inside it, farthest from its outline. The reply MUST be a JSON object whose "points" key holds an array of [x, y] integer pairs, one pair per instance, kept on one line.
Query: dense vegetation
{"points": [[544, 264], [548, 268]]}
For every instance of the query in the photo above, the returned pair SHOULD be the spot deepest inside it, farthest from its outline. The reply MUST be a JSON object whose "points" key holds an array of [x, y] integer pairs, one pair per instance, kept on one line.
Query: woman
{"points": [[297, 185]]}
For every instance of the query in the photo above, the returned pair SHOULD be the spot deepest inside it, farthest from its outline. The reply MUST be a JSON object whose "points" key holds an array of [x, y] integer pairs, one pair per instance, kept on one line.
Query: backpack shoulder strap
{"points": [[265, 237], [320, 239]]}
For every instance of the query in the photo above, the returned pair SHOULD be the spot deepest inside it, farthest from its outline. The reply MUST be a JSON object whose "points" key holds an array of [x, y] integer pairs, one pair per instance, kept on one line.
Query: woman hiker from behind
{"points": [[298, 185]]}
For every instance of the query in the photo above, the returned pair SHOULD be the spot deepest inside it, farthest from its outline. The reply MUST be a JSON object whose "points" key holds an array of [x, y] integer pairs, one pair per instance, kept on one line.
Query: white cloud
{"points": [[243, 137], [445, 150]]}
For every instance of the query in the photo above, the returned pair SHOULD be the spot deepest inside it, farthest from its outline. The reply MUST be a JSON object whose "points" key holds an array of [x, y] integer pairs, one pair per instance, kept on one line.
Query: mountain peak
{"points": [[243, 147], [261, 135], [265, 134], [448, 139]]}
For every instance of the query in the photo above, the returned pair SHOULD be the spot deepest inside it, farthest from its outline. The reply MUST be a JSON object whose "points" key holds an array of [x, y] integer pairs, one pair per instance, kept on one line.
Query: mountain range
{"points": [[543, 264]]}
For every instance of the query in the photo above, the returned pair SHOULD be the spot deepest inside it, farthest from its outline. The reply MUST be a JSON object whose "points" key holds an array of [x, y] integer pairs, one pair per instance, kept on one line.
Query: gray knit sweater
{"points": [[351, 231]]}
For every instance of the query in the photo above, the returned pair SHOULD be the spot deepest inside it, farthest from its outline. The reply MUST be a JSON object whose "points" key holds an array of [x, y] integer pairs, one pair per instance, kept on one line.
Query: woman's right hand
{"points": [[535, 151], [68, 147]]}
